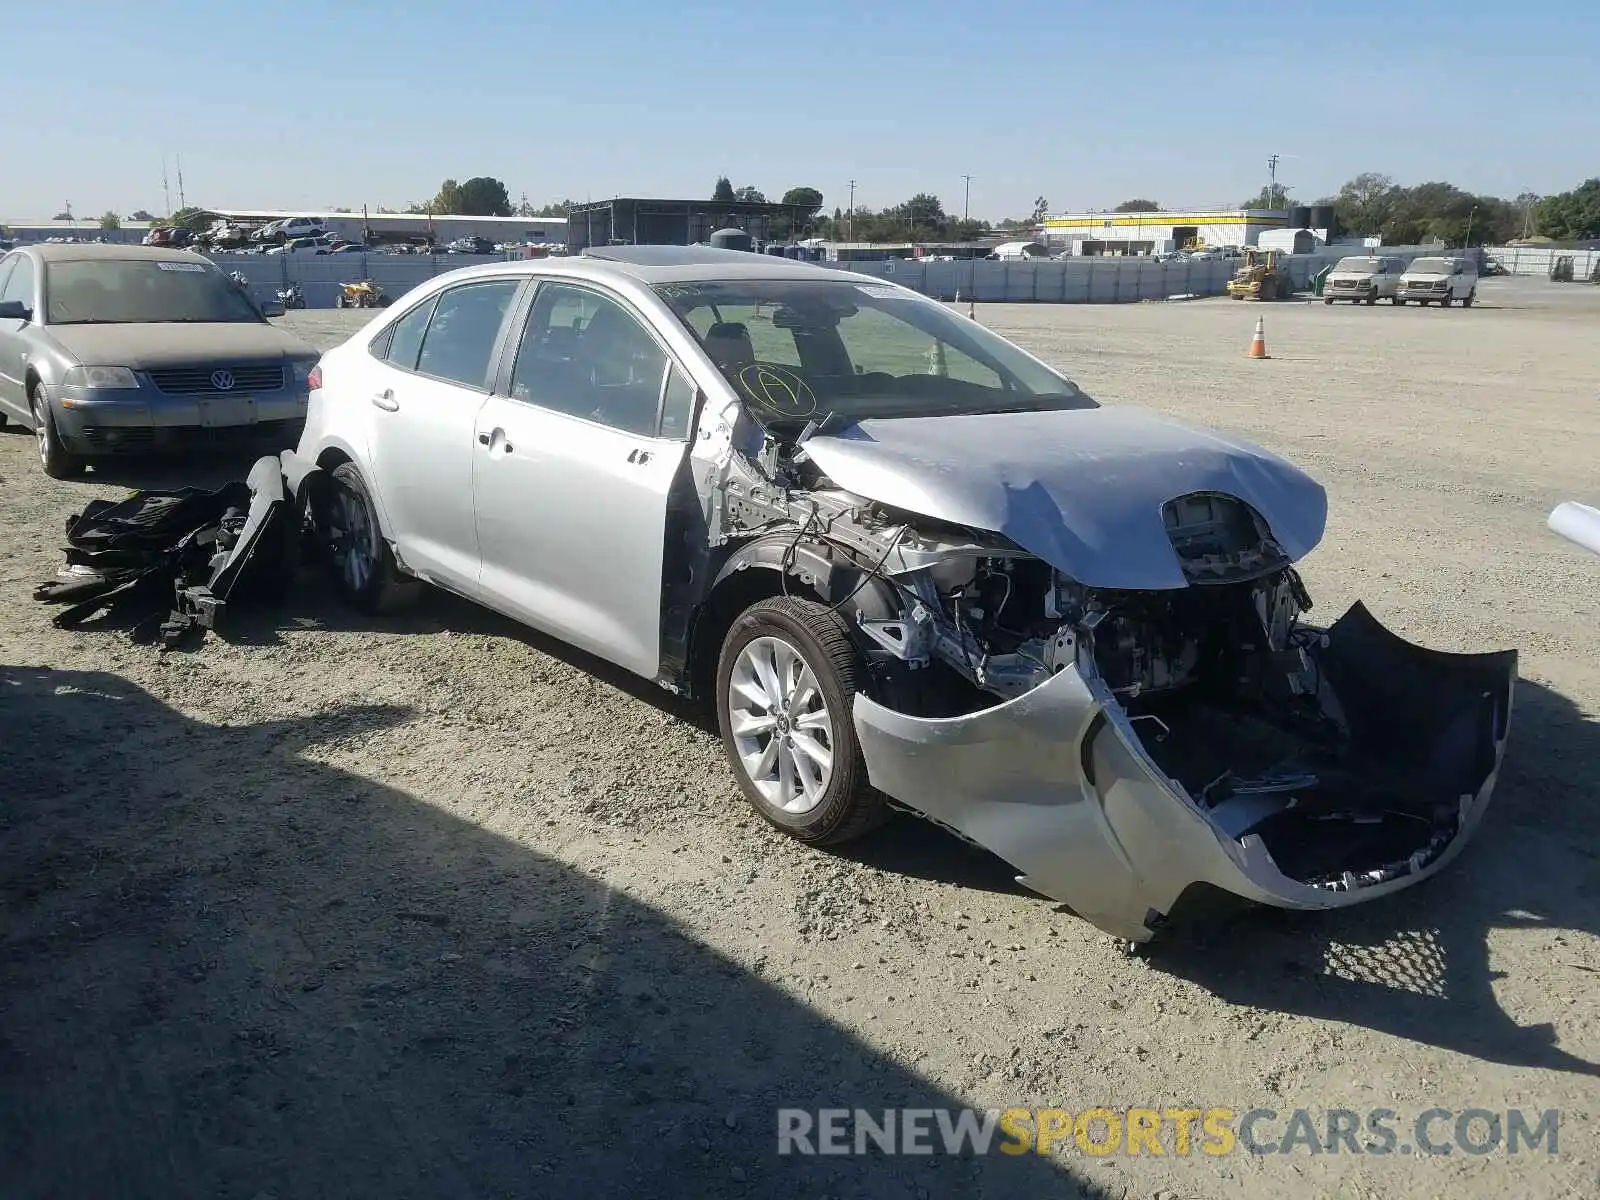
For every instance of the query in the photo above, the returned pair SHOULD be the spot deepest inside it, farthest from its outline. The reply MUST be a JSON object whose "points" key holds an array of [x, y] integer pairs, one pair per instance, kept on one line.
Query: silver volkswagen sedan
{"points": [[912, 566], [110, 350]]}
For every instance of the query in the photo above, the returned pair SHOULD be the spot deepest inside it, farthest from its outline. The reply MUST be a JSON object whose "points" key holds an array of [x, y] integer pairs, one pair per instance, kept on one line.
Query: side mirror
{"points": [[15, 310]]}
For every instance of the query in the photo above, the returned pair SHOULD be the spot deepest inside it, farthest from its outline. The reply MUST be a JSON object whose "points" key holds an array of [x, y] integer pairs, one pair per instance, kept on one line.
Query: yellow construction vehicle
{"points": [[1261, 276]]}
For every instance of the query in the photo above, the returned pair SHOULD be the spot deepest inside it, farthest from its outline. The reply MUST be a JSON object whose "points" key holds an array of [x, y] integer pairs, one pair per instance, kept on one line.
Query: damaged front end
{"points": [[1118, 746]]}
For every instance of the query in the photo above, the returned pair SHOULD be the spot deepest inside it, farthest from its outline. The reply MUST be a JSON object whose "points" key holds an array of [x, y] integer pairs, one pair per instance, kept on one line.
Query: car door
{"points": [[575, 460], [16, 283], [436, 369]]}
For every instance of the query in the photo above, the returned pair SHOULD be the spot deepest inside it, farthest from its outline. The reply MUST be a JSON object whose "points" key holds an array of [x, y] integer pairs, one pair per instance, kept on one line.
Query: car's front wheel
{"points": [[364, 568], [58, 462], [786, 681]]}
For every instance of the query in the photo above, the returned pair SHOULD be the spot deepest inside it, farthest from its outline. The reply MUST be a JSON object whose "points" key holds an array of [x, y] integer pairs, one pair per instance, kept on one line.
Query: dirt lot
{"points": [[422, 907]]}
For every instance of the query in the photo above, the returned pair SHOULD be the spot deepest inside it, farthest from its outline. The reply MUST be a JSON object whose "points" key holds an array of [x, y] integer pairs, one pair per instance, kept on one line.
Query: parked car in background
{"points": [[134, 350], [321, 244], [905, 561], [1441, 281], [1363, 279]]}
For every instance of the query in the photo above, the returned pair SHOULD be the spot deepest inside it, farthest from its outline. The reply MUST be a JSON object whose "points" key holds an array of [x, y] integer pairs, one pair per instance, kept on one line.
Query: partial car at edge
{"points": [[116, 350]]}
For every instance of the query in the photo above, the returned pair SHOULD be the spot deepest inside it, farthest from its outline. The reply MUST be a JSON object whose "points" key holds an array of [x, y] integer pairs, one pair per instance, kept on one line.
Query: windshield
{"points": [[130, 291], [1357, 266], [802, 350], [1431, 266]]}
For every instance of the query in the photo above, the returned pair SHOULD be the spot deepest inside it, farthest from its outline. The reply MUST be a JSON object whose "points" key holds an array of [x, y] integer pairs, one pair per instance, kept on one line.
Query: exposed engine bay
{"points": [[1351, 756]]}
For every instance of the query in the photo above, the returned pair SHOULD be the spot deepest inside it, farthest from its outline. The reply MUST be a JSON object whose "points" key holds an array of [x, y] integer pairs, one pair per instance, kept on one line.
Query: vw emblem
{"points": [[222, 380]]}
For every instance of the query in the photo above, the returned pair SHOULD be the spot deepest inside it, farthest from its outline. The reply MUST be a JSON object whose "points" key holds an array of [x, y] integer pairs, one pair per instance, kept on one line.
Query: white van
{"points": [[1363, 279], [1439, 281]]}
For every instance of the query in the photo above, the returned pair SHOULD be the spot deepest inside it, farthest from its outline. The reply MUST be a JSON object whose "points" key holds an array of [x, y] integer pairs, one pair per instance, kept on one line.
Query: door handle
{"points": [[486, 439], [638, 456], [386, 401]]}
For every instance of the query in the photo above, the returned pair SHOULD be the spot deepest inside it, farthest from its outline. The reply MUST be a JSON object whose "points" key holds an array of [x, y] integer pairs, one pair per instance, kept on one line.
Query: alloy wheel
{"points": [[780, 724]]}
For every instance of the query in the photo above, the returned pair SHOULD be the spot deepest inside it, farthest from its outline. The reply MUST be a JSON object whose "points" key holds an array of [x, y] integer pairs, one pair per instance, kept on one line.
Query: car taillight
{"points": [[314, 380]]}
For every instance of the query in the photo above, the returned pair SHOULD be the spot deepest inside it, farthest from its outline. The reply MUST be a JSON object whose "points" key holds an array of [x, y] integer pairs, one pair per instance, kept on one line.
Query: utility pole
{"points": [[850, 215], [966, 197], [182, 203], [166, 188], [1470, 216], [1272, 172]]}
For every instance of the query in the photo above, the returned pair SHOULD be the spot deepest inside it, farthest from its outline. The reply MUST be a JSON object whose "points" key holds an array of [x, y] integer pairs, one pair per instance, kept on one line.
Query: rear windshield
{"points": [[138, 291], [1358, 266], [1432, 266]]}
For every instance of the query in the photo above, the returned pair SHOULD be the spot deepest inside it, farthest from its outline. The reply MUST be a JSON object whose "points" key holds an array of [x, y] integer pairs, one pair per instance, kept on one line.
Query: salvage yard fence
{"points": [[1084, 280]]}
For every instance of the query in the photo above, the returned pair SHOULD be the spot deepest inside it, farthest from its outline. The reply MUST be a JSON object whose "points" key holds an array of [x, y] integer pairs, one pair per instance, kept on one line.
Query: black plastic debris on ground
{"points": [[174, 561]]}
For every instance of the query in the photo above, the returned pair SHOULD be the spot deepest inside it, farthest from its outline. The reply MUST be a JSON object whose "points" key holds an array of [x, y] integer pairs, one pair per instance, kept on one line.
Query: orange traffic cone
{"points": [[1258, 344]]}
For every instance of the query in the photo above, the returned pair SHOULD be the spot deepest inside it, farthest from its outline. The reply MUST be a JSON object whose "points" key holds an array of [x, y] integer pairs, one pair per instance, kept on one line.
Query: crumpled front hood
{"points": [[145, 346], [1083, 489]]}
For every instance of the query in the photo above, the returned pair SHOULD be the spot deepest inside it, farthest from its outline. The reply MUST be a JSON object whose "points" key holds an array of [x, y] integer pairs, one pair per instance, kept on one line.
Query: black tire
{"points": [[1398, 302], [1327, 299], [1466, 301], [1371, 300], [1446, 302], [58, 462], [848, 807], [381, 587]]}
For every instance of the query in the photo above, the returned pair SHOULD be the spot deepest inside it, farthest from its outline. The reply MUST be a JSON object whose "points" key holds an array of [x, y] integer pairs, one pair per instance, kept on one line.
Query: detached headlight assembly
{"points": [[101, 378]]}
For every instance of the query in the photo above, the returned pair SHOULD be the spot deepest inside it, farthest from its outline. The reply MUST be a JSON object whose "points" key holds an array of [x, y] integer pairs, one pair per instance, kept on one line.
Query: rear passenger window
{"points": [[466, 325], [406, 338]]}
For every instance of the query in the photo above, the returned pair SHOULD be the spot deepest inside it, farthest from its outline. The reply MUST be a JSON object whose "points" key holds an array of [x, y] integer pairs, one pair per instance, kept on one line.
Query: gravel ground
{"points": [[432, 906]]}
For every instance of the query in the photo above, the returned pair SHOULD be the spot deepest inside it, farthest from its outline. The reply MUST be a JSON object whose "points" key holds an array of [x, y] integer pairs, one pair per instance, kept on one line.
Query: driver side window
{"points": [[585, 355]]}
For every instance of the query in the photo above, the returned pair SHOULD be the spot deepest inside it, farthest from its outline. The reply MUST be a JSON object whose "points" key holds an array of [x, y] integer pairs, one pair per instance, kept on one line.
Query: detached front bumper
{"points": [[1058, 784], [146, 421]]}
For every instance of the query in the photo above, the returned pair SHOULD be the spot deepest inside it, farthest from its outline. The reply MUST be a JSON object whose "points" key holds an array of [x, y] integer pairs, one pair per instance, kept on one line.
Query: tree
{"points": [[749, 195], [559, 209], [1271, 198], [723, 193], [1570, 216], [110, 220], [1041, 210], [480, 196], [1368, 202], [64, 215], [195, 219], [808, 197], [141, 215], [1131, 206]]}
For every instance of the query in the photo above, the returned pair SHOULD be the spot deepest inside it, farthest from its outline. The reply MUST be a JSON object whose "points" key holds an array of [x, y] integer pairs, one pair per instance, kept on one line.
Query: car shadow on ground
{"points": [[1418, 964], [233, 971]]}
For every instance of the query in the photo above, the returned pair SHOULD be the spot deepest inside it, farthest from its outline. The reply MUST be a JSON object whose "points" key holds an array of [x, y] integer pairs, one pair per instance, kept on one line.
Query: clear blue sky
{"points": [[1085, 104]]}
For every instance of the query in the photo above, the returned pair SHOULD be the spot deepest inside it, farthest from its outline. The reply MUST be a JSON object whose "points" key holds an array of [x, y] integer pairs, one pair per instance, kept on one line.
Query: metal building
{"points": [[640, 222], [1160, 232]]}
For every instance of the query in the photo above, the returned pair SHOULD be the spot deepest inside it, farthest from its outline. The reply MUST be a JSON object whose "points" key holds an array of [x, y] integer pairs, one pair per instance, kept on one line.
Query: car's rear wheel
{"points": [[1466, 301], [58, 462], [362, 563], [1445, 303], [786, 681]]}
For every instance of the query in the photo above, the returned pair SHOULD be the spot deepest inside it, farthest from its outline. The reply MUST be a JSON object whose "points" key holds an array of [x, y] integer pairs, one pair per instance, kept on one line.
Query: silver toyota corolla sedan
{"points": [[108, 350], [912, 566]]}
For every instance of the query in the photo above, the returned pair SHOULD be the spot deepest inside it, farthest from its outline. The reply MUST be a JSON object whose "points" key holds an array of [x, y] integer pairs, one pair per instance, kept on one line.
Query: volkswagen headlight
{"points": [[101, 378]]}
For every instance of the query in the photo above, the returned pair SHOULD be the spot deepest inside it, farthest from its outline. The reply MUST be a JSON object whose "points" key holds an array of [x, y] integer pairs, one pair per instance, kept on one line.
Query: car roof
{"points": [[91, 251], [652, 266]]}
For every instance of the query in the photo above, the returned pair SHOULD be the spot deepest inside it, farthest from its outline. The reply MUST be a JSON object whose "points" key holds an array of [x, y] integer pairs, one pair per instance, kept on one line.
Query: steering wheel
{"points": [[778, 390]]}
